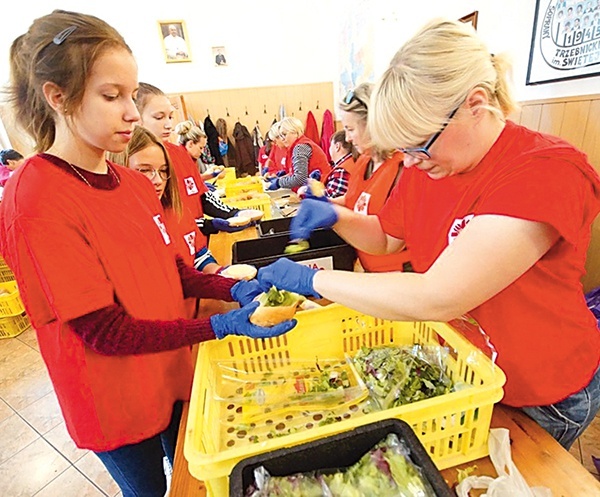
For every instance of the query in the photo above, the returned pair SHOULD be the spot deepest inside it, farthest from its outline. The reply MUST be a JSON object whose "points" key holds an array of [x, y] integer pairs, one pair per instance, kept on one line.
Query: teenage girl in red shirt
{"points": [[96, 266]]}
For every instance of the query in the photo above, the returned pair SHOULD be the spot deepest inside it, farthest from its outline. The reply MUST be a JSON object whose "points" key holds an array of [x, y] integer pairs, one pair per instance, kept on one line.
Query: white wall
{"points": [[268, 43]]}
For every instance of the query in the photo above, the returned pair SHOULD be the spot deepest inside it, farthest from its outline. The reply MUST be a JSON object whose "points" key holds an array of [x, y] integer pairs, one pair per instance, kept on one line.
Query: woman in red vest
{"points": [[96, 266], [303, 156]]}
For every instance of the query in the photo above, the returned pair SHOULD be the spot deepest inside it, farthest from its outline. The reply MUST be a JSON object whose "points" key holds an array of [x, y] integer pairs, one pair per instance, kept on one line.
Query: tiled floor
{"points": [[37, 457]]}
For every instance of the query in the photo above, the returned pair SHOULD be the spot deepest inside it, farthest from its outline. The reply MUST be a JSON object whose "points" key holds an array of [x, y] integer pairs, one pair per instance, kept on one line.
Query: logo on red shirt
{"points": [[162, 228], [457, 226], [362, 203], [190, 185], [190, 239]]}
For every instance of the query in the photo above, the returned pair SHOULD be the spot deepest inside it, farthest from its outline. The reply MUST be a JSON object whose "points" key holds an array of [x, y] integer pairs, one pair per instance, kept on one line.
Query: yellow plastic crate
{"points": [[259, 201], [229, 176], [10, 304], [5, 272], [14, 325], [242, 185], [453, 427]]}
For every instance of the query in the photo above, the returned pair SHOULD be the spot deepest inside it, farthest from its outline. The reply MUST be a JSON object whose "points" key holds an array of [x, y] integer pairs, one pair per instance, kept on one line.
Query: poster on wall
{"points": [[565, 43], [174, 41]]}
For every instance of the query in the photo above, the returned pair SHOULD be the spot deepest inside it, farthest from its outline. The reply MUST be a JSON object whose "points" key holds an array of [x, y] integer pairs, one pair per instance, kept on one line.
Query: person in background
{"points": [[275, 164], [10, 160], [191, 136], [303, 156], [263, 155], [340, 150], [94, 262], [497, 219], [156, 114]]}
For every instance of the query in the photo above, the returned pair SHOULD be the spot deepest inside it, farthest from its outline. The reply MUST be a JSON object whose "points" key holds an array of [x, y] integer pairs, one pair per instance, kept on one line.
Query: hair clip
{"points": [[63, 35]]}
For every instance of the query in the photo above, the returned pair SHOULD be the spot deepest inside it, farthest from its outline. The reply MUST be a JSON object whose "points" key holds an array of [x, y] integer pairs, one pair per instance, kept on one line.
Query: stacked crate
{"points": [[13, 319]]}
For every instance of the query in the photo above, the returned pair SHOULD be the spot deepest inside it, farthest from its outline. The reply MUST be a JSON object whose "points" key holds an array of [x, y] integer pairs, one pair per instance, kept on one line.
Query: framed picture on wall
{"points": [[174, 39], [471, 19], [219, 56], [565, 43]]}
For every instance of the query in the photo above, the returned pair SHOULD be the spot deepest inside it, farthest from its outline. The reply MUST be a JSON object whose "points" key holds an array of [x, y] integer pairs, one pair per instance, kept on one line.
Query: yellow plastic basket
{"points": [[260, 201], [453, 427], [10, 304], [229, 176], [242, 185], [5, 272], [14, 325]]}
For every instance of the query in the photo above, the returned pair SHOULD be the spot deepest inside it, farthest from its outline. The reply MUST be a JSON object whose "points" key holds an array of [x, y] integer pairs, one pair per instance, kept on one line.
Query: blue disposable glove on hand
{"points": [[273, 184], [316, 174], [237, 323], [210, 186], [288, 275], [312, 214], [264, 170], [223, 225], [281, 173], [244, 292]]}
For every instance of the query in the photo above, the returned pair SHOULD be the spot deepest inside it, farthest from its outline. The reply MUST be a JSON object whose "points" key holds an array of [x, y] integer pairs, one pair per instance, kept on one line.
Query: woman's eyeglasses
{"points": [[422, 153], [351, 96], [150, 173]]}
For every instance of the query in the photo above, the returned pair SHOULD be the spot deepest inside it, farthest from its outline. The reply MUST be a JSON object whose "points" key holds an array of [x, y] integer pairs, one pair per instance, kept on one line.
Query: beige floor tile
{"points": [[15, 356], [31, 469], [590, 445], [91, 467], [15, 434], [5, 411], [28, 337], [29, 385], [43, 414], [70, 483], [60, 439]]}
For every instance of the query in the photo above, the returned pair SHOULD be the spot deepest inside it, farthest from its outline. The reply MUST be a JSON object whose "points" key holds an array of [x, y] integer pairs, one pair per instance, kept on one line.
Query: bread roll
{"points": [[239, 272], [270, 316]]}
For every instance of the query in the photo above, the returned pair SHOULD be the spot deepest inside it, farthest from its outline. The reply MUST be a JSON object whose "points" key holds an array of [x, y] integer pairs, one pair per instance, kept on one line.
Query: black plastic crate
{"points": [[337, 452], [323, 243], [272, 227]]}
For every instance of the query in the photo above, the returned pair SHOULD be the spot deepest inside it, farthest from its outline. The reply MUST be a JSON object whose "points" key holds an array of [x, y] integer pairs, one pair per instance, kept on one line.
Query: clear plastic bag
{"points": [[510, 482]]}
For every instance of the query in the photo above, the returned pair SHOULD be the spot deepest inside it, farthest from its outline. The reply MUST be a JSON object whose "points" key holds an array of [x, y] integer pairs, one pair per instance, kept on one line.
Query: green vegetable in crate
{"points": [[397, 376], [275, 307]]}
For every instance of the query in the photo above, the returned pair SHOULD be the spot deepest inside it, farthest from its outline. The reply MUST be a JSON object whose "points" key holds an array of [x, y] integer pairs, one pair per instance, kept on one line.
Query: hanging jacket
{"points": [[212, 137], [327, 131], [257, 140], [311, 130], [244, 151]]}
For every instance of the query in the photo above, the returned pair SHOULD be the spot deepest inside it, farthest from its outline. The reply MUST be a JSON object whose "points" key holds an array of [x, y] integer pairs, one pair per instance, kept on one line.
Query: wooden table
{"points": [[540, 459]]}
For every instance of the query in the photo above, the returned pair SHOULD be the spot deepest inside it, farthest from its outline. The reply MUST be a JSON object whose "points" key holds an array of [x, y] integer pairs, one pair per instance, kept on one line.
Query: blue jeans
{"points": [[138, 468], [566, 420]]}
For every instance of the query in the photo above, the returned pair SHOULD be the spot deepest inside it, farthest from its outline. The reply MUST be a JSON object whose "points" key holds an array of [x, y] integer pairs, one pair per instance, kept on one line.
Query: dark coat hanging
{"points": [[245, 162], [212, 138]]}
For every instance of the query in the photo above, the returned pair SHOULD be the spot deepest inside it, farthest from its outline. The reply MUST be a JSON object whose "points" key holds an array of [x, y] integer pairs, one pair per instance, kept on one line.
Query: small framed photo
{"points": [[219, 56], [471, 19], [175, 42]]}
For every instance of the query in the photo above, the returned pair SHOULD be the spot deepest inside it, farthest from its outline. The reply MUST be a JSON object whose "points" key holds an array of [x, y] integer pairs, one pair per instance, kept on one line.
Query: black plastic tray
{"points": [[337, 452], [264, 251], [272, 227]]}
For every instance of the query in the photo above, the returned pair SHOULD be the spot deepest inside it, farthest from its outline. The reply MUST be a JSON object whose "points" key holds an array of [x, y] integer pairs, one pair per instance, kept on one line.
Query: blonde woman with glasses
{"points": [[497, 218]]}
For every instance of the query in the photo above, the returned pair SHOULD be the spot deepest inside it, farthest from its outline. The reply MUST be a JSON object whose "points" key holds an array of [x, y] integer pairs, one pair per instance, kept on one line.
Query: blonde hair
{"points": [[273, 132], [429, 77], [61, 48], [141, 140], [188, 131], [291, 125]]}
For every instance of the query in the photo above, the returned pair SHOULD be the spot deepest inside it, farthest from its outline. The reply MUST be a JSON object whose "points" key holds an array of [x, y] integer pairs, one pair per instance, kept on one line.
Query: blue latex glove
{"points": [[264, 170], [312, 214], [281, 173], [244, 292], [223, 225], [288, 275], [316, 174], [273, 184], [237, 323], [210, 186]]}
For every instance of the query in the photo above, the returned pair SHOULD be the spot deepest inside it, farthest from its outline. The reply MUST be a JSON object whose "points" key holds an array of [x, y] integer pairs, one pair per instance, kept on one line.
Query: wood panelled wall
{"points": [[577, 120], [256, 105]]}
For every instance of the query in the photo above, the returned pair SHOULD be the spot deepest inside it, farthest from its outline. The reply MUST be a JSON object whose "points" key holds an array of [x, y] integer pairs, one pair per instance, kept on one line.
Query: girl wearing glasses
{"points": [[373, 177], [497, 219], [303, 156], [93, 259]]}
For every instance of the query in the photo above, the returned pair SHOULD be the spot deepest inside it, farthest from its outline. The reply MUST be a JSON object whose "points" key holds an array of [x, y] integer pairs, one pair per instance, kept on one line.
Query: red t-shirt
{"points": [[278, 157], [547, 340], [367, 196], [76, 249]]}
